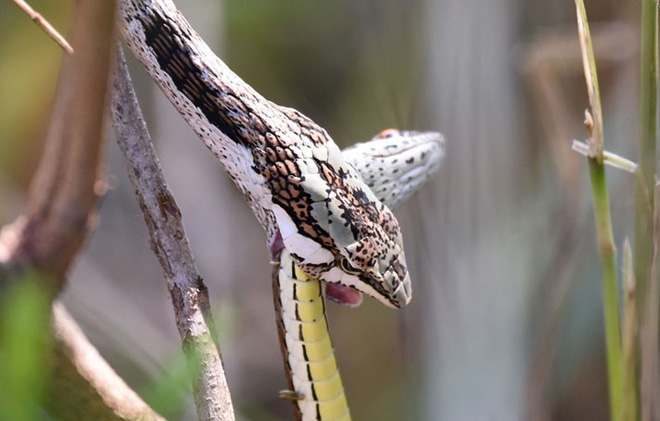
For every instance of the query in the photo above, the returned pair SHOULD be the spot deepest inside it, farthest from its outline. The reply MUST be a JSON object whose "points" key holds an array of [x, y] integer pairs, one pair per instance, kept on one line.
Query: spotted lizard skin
{"points": [[395, 164]]}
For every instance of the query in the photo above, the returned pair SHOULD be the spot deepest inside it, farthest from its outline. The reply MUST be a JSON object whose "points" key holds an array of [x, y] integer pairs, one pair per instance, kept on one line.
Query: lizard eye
{"points": [[347, 267], [387, 133]]}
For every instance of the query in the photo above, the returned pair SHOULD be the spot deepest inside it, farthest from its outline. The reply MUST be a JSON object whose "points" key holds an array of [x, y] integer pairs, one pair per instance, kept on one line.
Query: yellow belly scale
{"points": [[314, 379]]}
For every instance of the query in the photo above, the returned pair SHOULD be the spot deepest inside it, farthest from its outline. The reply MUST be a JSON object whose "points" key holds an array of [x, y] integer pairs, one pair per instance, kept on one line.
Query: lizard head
{"points": [[395, 164]]}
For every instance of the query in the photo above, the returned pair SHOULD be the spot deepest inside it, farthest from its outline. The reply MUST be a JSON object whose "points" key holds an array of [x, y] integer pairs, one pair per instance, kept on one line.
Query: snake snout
{"points": [[397, 280], [402, 294]]}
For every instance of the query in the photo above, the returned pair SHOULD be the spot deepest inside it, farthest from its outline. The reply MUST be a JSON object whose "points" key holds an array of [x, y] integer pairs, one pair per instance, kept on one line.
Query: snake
{"points": [[323, 210], [394, 164]]}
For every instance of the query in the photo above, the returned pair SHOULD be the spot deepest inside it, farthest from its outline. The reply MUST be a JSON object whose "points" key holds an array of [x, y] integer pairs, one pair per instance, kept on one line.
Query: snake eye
{"points": [[387, 133], [347, 267]]}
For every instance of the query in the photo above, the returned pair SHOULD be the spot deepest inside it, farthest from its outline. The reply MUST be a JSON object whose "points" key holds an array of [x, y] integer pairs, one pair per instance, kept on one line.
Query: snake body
{"points": [[320, 215]]}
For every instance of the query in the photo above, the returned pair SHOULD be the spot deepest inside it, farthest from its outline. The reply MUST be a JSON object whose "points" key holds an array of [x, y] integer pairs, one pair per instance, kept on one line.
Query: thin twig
{"points": [[45, 25], [169, 243], [109, 397]]}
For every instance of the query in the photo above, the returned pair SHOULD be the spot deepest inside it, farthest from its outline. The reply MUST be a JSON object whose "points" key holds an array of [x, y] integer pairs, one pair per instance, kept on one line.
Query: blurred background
{"points": [[506, 321]]}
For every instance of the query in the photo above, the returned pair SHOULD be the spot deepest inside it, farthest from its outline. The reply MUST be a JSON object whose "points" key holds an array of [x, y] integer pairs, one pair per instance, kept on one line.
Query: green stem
{"points": [[629, 334], [606, 247], [610, 296], [645, 185], [648, 112]]}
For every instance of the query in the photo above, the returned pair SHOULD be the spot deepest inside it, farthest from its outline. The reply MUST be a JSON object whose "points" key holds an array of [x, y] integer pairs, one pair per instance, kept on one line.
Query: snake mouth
{"points": [[343, 295], [351, 297]]}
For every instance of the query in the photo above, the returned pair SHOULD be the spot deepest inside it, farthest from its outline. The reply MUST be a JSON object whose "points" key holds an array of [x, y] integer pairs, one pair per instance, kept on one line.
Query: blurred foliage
{"points": [[25, 346], [28, 71], [351, 66], [169, 393]]}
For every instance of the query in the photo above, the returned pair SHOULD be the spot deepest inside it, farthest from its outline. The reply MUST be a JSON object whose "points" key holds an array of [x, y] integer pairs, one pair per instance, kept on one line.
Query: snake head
{"points": [[371, 262], [374, 265], [339, 232]]}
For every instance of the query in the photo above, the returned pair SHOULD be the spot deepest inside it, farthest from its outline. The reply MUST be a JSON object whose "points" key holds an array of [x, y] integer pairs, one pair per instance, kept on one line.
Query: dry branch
{"points": [[41, 22], [79, 366], [168, 241], [62, 197]]}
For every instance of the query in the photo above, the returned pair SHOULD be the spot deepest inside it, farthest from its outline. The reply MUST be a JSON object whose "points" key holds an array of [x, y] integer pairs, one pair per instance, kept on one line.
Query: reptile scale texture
{"points": [[323, 211]]}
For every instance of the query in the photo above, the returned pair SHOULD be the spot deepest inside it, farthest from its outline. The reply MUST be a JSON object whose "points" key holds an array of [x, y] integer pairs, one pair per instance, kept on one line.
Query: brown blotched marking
{"points": [[306, 126], [365, 253], [282, 176]]}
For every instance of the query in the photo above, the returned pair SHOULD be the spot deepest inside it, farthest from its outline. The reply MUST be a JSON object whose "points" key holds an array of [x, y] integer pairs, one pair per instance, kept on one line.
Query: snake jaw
{"points": [[374, 265], [392, 287]]}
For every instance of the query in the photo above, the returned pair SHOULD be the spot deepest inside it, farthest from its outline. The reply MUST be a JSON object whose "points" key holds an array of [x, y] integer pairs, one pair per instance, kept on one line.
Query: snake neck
{"points": [[315, 385]]}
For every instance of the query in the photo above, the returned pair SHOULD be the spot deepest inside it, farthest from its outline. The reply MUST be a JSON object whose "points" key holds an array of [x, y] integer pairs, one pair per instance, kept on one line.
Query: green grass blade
{"points": [[606, 247]]}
